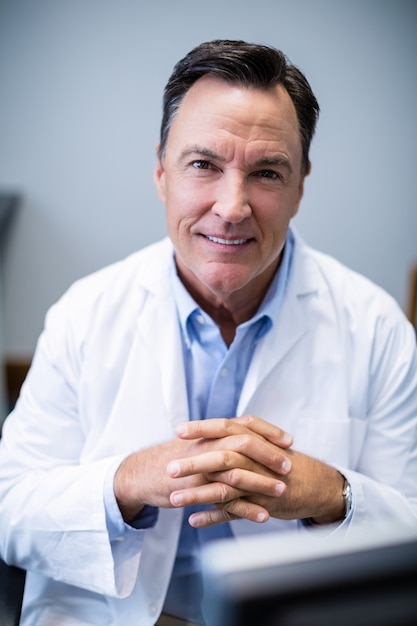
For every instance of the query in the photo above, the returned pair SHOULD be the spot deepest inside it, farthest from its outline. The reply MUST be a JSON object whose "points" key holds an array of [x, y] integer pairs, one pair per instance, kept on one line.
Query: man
{"points": [[226, 380]]}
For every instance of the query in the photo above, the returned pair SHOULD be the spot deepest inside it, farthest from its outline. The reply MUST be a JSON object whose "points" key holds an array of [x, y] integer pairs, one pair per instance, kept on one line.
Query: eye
{"points": [[267, 174], [200, 164]]}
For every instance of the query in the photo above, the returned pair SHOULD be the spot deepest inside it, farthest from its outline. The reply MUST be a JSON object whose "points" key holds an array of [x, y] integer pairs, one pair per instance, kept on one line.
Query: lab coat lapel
{"points": [[150, 397], [290, 326], [159, 330]]}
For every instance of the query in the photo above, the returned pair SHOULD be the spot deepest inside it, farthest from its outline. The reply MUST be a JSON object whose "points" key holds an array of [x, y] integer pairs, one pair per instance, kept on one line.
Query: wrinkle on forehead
{"points": [[232, 122]]}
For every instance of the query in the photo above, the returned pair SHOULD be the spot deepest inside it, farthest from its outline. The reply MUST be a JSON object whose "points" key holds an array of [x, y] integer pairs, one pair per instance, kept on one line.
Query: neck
{"points": [[230, 311], [226, 320]]}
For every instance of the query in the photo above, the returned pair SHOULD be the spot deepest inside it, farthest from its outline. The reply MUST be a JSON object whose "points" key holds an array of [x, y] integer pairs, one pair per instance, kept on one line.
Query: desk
{"points": [[8, 207]]}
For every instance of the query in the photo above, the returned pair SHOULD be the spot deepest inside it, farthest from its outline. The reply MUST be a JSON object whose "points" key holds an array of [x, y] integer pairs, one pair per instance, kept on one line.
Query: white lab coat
{"points": [[338, 371]]}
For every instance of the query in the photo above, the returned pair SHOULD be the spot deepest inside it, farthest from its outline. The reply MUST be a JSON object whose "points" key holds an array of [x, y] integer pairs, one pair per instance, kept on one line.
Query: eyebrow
{"points": [[204, 152], [280, 161]]}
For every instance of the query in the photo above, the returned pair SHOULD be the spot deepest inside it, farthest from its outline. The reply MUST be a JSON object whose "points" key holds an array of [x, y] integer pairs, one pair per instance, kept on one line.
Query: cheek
{"points": [[186, 202], [273, 220], [179, 216], [272, 212]]}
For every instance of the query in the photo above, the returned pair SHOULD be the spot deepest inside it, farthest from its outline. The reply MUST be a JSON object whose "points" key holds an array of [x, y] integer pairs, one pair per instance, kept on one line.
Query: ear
{"points": [[159, 176], [301, 189]]}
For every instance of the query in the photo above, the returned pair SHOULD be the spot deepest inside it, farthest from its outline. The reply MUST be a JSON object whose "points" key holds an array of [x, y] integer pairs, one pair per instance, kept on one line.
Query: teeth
{"points": [[228, 242]]}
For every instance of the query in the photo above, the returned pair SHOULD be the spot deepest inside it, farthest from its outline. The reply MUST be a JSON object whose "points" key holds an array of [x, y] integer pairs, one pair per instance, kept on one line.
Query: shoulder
{"points": [[117, 289], [336, 281], [345, 297], [347, 312], [139, 270]]}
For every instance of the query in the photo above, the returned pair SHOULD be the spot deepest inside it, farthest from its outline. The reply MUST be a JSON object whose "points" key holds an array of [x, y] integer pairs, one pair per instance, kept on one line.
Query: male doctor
{"points": [[226, 380]]}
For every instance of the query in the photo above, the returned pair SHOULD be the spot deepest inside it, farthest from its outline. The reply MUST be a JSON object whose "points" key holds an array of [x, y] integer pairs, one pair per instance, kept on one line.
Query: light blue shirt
{"points": [[215, 375]]}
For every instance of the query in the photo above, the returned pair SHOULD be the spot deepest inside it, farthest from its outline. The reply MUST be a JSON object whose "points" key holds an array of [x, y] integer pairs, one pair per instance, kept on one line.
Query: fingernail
{"points": [[261, 517], [181, 429], [194, 520], [173, 468], [286, 466], [177, 499], [279, 489]]}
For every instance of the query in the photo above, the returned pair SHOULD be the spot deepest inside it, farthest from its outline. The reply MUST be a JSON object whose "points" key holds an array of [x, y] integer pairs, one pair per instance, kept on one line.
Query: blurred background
{"points": [[81, 86]]}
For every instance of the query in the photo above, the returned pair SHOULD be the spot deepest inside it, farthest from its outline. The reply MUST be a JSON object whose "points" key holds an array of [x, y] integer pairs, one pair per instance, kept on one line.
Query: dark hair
{"points": [[250, 65]]}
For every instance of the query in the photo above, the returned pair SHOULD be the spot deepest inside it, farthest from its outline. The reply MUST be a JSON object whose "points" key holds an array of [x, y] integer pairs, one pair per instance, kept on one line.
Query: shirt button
{"points": [[200, 319], [224, 372]]}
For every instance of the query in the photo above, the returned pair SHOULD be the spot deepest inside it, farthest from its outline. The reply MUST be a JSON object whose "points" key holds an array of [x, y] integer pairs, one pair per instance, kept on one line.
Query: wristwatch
{"points": [[347, 494], [348, 498]]}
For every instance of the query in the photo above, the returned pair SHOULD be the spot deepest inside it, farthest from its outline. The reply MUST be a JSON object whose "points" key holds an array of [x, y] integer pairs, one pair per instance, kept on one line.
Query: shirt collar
{"points": [[268, 308]]}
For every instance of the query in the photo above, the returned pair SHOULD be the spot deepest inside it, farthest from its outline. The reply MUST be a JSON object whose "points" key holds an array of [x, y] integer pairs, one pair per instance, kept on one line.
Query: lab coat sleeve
{"points": [[52, 513], [384, 479]]}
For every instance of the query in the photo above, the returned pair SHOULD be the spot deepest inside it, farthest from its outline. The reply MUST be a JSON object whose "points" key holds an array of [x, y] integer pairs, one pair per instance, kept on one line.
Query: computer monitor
{"points": [[367, 578]]}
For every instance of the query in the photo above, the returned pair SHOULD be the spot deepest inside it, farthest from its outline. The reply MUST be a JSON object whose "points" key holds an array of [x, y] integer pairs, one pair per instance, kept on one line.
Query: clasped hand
{"points": [[245, 467], [241, 460]]}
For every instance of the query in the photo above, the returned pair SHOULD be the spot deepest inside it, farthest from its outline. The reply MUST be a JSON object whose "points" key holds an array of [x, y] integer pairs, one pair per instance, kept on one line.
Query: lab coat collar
{"points": [[160, 312]]}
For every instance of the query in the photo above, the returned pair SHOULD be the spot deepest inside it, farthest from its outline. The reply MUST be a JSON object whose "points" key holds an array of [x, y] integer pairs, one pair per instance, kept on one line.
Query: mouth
{"points": [[227, 242]]}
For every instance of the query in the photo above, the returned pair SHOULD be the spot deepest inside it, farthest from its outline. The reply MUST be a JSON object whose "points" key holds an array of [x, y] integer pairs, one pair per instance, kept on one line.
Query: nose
{"points": [[232, 201]]}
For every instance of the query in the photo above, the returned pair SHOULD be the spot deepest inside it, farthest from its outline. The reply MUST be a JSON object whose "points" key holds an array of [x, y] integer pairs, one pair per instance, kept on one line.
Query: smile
{"points": [[227, 242]]}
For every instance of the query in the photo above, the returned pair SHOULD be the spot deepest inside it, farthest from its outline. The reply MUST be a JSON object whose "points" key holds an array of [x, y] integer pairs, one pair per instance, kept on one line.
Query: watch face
{"points": [[347, 494]]}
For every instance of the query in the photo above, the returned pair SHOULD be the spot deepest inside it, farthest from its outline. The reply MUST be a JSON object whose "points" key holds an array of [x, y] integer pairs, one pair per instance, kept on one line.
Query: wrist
{"points": [[124, 486], [340, 505]]}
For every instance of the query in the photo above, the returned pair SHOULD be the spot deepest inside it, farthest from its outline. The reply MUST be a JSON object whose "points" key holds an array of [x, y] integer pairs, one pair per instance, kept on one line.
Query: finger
{"points": [[202, 519], [208, 429], [269, 431], [249, 481], [236, 509], [229, 452], [231, 468], [222, 427], [259, 450], [209, 493], [242, 508], [209, 463], [206, 462]]}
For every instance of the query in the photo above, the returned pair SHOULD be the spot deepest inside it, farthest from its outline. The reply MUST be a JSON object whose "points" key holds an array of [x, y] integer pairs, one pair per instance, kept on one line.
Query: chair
{"points": [[411, 310], [12, 582]]}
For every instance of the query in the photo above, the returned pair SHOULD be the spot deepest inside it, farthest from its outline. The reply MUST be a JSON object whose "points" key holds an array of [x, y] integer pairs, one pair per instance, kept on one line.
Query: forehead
{"points": [[233, 116]]}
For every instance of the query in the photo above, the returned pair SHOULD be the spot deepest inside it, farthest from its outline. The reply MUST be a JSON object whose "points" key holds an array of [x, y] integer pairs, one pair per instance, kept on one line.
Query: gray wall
{"points": [[81, 84]]}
